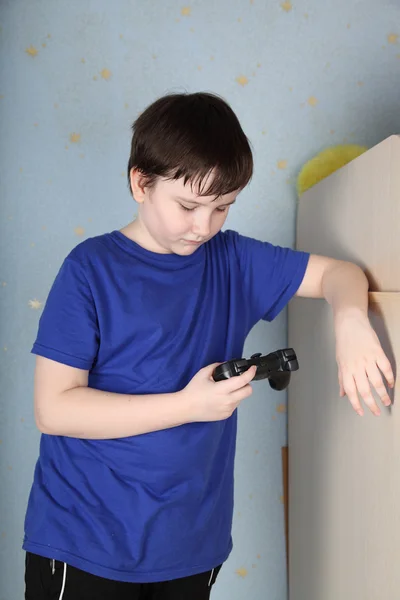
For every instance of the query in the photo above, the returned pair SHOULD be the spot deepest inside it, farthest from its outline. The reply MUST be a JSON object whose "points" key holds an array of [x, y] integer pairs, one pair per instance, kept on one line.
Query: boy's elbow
{"points": [[45, 419], [44, 425], [52, 381], [43, 429]]}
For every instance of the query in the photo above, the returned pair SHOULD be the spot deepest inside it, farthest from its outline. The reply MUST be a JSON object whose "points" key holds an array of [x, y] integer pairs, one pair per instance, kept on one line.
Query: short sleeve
{"points": [[68, 328], [271, 275]]}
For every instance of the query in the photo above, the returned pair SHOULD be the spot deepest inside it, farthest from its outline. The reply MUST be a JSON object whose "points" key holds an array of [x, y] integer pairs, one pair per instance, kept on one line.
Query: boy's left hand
{"points": [[361, 362]]}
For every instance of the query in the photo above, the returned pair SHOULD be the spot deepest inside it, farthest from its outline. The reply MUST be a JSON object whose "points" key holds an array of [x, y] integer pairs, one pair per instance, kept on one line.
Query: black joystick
{"points": [[276, 367]]}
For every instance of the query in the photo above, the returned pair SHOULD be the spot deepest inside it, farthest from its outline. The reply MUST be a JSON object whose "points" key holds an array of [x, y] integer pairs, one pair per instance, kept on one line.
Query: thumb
{"points": [[209, 369]]}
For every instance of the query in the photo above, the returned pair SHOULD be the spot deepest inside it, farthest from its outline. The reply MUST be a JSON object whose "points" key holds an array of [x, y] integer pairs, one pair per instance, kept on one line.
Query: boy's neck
{"points": [[136, 232]]}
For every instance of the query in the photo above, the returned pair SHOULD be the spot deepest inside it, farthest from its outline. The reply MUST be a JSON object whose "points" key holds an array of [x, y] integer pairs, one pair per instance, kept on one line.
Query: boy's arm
{"points": [[360, 357], [66, 406]]}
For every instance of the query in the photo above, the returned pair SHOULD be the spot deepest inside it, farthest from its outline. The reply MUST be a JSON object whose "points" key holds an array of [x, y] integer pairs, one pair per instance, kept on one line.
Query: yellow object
{"points": [[325, 163]]}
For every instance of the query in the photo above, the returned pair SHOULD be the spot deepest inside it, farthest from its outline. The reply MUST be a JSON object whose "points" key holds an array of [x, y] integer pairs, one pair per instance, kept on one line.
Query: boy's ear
{"points": [[138, 185]]}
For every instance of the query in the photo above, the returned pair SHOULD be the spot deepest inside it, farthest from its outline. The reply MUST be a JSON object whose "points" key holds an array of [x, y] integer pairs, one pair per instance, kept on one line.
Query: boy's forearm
{"points": [[87, 413], [345, 287]]}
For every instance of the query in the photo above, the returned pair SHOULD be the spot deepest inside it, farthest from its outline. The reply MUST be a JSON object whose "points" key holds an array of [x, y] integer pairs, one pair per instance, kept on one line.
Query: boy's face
{"points": [[173, 219]]}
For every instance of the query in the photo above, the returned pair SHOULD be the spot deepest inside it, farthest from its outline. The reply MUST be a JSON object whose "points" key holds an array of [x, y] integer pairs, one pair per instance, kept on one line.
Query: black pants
{"points": [[45, 580]]}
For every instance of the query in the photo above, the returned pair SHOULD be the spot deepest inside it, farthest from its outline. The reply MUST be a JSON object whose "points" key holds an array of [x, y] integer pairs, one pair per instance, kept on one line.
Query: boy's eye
{"points": [[222, 209]]}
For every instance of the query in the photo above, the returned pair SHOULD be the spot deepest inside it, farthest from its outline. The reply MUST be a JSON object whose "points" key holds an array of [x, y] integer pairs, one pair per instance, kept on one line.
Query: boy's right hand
{"points": [[210, 400]]}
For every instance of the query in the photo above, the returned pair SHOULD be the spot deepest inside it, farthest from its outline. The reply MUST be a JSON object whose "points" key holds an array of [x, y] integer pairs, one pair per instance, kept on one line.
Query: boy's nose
{"points": [[202, 227]]}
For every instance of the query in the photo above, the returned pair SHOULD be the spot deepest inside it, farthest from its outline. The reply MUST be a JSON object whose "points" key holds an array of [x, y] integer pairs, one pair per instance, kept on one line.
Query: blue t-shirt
{"points": [[156, 506]]}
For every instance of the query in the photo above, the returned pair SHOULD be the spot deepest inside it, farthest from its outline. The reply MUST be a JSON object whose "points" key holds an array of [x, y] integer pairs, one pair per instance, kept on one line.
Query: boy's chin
{"points": [[183, 248]]}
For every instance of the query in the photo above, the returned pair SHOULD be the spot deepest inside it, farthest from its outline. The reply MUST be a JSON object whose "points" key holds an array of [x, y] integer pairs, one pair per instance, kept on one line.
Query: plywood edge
{"points": [[383, 297], [285, 482], [373, 298]]}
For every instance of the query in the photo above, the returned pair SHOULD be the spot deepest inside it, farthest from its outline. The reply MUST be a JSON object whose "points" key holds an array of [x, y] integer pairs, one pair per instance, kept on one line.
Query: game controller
{"points": [[276, 367]]}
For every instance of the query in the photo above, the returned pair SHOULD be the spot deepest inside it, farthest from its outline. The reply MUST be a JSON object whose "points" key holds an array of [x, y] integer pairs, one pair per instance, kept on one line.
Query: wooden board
{"points": [[355, 215], [344, 475]]}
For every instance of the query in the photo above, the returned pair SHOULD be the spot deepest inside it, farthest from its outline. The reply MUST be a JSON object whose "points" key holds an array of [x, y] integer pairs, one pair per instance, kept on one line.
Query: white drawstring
{"points": [[63, 582], [211, 576]]}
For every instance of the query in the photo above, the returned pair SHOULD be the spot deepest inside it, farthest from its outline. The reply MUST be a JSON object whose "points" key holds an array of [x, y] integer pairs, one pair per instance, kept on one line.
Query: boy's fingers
{"points": [[251, 372], [350, 389], [375, 379], [386, 368], [209, 370], [238, 395], [235, 383]]}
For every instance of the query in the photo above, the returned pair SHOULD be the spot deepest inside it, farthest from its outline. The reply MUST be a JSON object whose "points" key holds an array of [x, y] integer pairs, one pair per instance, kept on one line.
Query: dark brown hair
{"points": [[190, 136]]}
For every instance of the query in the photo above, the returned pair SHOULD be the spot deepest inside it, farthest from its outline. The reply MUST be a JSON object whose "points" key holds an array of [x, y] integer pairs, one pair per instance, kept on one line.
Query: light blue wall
{"points": [[300, 77]]}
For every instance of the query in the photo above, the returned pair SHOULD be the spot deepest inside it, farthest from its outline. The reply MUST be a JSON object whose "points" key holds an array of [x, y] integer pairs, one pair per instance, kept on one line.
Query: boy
{"points": [[133, 490]]}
